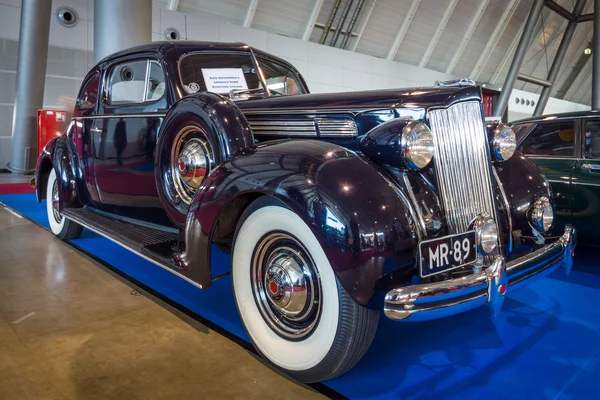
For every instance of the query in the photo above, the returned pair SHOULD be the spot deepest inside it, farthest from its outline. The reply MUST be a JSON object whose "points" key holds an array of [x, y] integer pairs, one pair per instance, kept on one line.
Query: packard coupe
{"points": [[333, 206]]}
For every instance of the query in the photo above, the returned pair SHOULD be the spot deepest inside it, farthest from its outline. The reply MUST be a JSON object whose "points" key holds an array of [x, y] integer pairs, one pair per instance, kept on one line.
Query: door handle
{"points": [[97, 130], [592, 168]]}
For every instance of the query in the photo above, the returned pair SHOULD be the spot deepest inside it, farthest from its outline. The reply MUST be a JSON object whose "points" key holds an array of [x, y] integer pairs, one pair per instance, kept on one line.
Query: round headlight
{"points": [[541, 215], [486, 234], [417, 144], [504, 142]]}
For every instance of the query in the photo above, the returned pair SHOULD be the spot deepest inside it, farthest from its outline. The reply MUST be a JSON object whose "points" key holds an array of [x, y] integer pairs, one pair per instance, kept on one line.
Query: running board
{"points": [[154, 245]]}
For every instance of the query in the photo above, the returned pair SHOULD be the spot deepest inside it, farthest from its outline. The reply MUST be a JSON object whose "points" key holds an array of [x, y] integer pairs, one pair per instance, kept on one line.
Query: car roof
{"points": [[575, 114], [184, 46]]}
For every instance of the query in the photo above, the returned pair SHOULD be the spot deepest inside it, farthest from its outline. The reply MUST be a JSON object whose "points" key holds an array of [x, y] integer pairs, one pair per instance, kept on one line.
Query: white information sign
{"points": [[223, 80]]}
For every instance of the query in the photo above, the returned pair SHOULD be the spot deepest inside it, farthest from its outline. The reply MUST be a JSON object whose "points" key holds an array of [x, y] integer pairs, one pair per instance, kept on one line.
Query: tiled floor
{"points": [[71, 329]]}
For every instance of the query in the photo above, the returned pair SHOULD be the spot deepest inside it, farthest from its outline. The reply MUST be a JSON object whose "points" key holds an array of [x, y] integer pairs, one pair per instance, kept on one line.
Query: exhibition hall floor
{"points": [[94, 337]]}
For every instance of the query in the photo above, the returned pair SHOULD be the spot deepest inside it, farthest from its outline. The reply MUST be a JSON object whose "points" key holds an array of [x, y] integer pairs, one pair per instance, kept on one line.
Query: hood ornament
{"points": [[456, 83]]}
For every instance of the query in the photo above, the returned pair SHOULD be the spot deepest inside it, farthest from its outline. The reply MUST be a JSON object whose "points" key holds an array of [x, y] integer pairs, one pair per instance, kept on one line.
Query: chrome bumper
{"points": [[441, 299]]}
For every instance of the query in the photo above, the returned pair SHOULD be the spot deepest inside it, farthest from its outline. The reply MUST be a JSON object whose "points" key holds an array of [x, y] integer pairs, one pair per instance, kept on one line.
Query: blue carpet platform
{"points": [[545, 344]]}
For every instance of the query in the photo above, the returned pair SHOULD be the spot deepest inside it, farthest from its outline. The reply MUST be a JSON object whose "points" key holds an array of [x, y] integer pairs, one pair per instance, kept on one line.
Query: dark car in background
{"points": [[567, 149], [332, 206]]}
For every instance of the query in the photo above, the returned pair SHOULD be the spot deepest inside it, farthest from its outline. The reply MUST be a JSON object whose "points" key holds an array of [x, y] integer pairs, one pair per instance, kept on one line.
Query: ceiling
{"points": [[470, 38]]}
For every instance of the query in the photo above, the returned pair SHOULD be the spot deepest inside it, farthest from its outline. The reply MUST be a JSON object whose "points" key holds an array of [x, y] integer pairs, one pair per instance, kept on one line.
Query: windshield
{"points": [[223, 72]]}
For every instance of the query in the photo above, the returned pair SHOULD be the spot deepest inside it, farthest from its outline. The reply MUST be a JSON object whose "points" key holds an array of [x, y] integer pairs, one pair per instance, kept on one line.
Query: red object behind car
{"points": [[51, 123]]}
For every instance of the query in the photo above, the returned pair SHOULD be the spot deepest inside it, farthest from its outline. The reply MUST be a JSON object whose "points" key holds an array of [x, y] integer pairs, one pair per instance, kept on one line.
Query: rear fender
{"points": [[360, 217]]}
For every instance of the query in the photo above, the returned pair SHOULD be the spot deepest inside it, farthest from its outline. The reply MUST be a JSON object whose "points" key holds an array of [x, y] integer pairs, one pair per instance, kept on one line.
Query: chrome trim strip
{"points": [[156, 115], [441, 299], [558, 181], [506, 206], [166, 268], [312, 127], [309, 112], [585, 183], [422, 232], [538, 157]]}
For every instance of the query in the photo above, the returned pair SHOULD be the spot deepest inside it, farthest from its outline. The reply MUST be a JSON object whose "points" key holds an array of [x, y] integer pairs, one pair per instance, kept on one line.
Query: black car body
{"points": [[168, 169]]}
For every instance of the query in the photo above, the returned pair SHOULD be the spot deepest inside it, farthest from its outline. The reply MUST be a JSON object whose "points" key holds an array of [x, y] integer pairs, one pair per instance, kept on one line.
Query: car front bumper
{"points": [[441, 299]]}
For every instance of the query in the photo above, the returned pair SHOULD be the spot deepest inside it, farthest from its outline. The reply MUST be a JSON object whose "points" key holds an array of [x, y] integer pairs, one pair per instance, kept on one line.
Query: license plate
{"points": [[447, 253]]}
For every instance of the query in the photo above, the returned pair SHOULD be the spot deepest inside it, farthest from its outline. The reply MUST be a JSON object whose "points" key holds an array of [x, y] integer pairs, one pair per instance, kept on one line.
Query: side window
{"points": [[135, 82], [88, 94], [554, 139], [592, 139]]}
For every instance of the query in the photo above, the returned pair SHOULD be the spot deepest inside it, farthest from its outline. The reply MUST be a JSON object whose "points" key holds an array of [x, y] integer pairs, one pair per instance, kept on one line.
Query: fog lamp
{"points": [[486, 234], [417, 145], [541, 215], [504, 142]]}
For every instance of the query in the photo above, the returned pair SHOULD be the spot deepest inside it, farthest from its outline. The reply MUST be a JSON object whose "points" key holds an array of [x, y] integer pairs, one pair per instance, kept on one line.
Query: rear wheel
{"points": [[59, 225], [292, 306]]}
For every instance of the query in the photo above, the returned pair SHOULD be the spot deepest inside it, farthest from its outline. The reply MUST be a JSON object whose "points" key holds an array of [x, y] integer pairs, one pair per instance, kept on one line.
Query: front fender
{"points": [[524, 183], [359, 216]]}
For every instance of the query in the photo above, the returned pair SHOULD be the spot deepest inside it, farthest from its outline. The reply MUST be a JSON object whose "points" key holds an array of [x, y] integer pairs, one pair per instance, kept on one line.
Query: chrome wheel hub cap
{"points": [[191, 161], [55, 203], [286, 286]]}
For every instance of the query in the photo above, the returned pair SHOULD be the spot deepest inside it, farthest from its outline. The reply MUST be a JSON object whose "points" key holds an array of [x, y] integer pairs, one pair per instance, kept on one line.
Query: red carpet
{"points": [[16, 188]]}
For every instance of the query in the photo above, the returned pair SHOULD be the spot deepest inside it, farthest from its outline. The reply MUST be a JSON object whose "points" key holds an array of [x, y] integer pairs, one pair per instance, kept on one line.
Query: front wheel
{"points": [[59, 225], [292, 306]]}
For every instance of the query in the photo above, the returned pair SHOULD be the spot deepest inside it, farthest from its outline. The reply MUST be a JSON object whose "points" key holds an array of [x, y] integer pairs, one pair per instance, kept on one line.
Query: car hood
{"points": [[356, 102]]}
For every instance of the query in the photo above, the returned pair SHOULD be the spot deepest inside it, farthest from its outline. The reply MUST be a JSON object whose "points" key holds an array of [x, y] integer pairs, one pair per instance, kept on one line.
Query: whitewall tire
{"points": [[59, 225], [292, 306]]}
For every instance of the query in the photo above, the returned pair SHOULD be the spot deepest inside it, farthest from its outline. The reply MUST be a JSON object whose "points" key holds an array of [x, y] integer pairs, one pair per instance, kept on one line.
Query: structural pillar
{"points": [[559, 58], [31, 78], [596, 59], [120, 24], [517, 61]]}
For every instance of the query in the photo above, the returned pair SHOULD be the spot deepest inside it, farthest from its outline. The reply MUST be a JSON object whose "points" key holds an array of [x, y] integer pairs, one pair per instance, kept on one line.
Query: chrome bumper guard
{"points": [[441, 299]]}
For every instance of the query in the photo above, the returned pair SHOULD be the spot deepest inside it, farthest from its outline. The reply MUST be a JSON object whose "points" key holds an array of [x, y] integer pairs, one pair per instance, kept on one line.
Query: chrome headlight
{"points": [[504, 142], [486, 234], [417, 144], [541, 215]]}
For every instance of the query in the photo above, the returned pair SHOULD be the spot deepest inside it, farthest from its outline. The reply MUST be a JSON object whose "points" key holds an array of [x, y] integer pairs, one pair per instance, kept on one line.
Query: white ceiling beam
{"points": [[363, 25], [438, 33], [312, 20], [577, 86], [467, 37], [403, 28], [586, 93], [509, 53], [173, 5], [252, 6], [494, 38], [550, 41], [566, 70]]}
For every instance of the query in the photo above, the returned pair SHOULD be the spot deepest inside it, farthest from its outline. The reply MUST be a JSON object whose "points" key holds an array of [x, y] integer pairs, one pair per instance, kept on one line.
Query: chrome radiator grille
{"points": [[462, 164]]}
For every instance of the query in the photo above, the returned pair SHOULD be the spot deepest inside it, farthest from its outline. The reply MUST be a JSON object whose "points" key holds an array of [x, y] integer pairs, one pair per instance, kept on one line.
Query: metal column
{"points": [[121, 24], [596, 60], [31, 77], [559, 58], [513, 71]]}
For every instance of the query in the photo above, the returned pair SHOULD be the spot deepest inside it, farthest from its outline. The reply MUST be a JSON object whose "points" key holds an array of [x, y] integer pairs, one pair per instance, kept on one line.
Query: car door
{"points": [[551, 145], [125, 135], [585, 185], [80, 130]]}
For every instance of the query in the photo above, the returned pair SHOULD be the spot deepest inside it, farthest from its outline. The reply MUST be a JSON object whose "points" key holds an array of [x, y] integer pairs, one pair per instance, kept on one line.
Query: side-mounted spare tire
{"points": [[198, 134]]}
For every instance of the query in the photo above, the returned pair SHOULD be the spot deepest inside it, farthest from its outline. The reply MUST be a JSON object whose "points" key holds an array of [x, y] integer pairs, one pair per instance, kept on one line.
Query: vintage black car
{"points": [[333, 206], [567, 149]]}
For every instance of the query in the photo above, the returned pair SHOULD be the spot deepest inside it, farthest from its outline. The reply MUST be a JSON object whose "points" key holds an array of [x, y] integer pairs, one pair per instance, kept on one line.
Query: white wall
{"points": [[325, 69], [518, 111]]}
